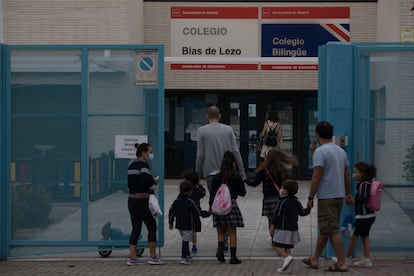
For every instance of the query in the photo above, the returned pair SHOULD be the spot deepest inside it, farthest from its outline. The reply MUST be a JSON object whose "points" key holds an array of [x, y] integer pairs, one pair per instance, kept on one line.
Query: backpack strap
{"points": [[271, 178], [364, 183], [270, 128]]}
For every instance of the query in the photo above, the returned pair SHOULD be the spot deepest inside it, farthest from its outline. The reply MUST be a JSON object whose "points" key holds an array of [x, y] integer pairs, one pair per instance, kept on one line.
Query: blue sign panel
{"points": [[299, 40]]}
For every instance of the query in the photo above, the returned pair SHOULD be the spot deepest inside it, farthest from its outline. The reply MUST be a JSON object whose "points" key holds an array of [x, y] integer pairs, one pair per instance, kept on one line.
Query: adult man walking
{"points": [[213, 140], [331, 182]]}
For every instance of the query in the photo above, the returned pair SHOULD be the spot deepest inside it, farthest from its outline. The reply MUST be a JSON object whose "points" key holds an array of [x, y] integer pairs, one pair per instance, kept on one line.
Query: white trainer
{"points": [[364, 262], [286, 262]]}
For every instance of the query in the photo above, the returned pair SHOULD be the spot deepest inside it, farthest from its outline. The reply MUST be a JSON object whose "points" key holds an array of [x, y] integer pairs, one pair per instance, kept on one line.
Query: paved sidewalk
{"points": [[117, 266], [392, 228]]}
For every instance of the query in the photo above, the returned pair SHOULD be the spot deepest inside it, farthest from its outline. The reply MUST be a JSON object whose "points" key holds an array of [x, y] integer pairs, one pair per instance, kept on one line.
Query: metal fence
{"points": [[63, 110]]}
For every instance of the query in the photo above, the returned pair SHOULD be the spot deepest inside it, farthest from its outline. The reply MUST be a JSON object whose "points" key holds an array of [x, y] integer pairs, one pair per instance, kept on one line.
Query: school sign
{"points": [[249, 38]]}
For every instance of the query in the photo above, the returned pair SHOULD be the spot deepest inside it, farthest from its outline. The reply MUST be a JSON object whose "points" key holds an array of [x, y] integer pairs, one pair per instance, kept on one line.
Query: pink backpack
{"points": [[374, 202], [222, 201]]}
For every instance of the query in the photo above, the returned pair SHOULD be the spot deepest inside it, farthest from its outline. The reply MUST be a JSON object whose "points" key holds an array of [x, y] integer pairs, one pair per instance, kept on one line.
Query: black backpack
{"points": [[271, 136]]}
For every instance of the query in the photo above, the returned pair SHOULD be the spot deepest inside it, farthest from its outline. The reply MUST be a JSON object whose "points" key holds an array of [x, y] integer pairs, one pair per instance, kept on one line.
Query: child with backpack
{"points": [[285, 222], [186, 214], [229, 177], [364, 217], [198, 193]]}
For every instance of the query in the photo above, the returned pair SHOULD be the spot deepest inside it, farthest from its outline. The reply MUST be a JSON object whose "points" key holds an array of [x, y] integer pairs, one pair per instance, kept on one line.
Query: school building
{"points": [[82, 80]]}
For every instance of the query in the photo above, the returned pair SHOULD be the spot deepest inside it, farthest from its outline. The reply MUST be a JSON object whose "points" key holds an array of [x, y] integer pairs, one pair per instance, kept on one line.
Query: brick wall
{"points": [[73, 21]]}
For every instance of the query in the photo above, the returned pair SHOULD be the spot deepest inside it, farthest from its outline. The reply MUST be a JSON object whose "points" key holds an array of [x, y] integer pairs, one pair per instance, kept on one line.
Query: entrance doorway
{"points": [[297, 113], [245, 112]]}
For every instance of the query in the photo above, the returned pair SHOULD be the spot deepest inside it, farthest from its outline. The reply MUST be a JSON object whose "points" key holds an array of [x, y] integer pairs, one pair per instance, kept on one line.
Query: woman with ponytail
{"points": [[141, 185]]}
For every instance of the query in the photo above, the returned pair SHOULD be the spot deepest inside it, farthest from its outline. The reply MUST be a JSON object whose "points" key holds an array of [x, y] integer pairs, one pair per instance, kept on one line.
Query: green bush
{"points": [[31, 206], [409, 165]]}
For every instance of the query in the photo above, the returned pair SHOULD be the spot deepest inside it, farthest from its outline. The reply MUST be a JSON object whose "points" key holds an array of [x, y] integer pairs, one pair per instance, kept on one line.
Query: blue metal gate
{"points": [[68, 114]]}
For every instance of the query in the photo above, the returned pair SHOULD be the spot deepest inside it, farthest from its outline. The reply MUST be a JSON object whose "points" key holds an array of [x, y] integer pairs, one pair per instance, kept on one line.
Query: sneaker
{"points": [[155, 261], [185, 261], [135, 261], [286, 262], [194, 250], [287, 271], [365, 262]]}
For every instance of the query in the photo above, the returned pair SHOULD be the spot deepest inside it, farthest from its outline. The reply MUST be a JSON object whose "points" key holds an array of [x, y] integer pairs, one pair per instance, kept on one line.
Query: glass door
{"points": [[244, 123], [311, 119], [284, 110]]}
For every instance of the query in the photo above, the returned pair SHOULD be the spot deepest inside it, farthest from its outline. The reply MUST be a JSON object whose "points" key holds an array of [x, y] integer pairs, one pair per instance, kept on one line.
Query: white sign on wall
{"points": [[246, 38], [125, 145], [214, 38], [217, 33]]}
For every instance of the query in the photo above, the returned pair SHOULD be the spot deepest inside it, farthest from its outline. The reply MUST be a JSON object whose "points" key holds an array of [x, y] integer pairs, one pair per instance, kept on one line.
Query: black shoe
{"points": [[235, 261], [220, 256]]}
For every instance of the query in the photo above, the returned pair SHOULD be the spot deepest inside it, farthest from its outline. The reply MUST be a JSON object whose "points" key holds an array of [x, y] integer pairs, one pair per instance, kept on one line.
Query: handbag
{"points": [[271, 178], [154, 206]]}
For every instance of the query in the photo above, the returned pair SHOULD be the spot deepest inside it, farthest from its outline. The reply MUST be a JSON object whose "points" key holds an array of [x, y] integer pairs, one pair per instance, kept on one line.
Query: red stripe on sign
{"points": [[339, 32], [215, 12], [199, 66], [305, 12], [289, 67]]}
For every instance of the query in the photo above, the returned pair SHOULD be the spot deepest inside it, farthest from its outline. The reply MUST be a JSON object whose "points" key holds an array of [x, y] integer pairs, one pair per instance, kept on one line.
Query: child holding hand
{"points": [[364, 217], [186, 215], [198, 193], [285, 222]]}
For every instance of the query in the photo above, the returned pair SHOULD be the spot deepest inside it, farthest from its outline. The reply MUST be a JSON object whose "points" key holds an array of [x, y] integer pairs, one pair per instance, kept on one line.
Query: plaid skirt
{"points": [[234, 218], [269, 205]]}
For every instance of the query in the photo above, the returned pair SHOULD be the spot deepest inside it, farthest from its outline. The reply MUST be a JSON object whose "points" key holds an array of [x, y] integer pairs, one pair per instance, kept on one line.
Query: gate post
{"points": [[3, 182], [335, 104]]}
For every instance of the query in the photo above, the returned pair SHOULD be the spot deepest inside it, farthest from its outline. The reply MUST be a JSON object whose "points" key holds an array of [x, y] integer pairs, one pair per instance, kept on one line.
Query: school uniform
{"points": [[186, 214], [285, 221], [270, 192], [237, 188]]}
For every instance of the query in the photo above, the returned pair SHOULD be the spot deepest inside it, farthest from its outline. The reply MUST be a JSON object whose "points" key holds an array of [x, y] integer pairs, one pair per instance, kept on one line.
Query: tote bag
{"points": [[154, 206]]}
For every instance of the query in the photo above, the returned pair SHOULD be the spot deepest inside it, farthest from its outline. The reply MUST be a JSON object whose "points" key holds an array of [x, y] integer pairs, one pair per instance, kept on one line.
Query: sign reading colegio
{"points": [[246, 38], [215, 32]]}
